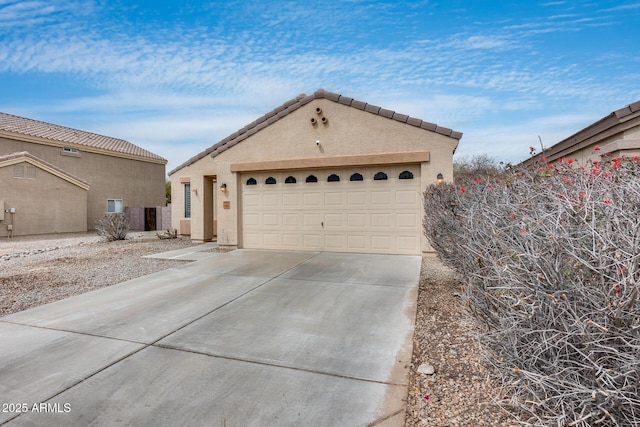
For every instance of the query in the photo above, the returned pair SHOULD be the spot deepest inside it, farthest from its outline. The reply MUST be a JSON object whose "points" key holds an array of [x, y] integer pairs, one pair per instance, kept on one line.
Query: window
{"points": [[114, 205], [380, 176], [311, 178], [70, 150], [406, 175], [252, 181], [333, 178], [290, 180], [271, 180], [187, 200], [356, 177]]}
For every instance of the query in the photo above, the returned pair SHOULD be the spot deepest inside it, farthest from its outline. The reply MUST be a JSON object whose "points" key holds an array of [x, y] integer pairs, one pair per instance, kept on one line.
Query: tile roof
{"points": [[615, 122], [301, 100], [27, 155], [61, 134]]}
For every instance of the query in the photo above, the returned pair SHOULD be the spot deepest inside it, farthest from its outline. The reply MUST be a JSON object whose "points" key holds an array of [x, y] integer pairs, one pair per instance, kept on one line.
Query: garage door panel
{"points": [[380, 198], [312, 241], [357, 220], [334, 242], [356, 198], [333, 199], [381, 220], [311, 200], [270, 219], [356, 242], [406, 197], [380, 242], [408, 243], [290, 200], [291, 241], [290, 219], [333, 220], [407, 220], [311, 219]]}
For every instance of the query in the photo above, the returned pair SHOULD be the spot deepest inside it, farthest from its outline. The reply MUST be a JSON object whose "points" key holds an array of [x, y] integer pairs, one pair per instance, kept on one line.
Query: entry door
{"points": [[368, 210]]}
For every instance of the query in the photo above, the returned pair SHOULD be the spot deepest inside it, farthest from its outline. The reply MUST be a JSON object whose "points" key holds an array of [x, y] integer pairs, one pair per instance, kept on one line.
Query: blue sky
{"points": [[175, 77]]}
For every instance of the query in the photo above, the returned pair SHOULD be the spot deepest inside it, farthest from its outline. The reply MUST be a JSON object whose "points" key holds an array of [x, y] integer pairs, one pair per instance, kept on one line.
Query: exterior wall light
{"points": [[223, 187], [440, 178]]}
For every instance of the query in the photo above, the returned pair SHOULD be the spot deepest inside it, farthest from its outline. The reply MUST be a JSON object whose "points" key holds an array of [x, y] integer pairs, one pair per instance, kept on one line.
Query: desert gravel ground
{"points": [[40, 269]]}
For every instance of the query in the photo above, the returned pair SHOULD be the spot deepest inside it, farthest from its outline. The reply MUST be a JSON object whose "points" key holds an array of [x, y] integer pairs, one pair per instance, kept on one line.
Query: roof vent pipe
{"points": [[318, 110]]}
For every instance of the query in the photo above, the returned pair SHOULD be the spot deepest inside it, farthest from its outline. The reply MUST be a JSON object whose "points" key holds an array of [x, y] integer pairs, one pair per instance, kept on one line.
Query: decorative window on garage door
{"points": [[271, 180], [311, 178], [333, 178], [356, 177], [252, 181], [290, 180], [380, 176], [405, 175]]}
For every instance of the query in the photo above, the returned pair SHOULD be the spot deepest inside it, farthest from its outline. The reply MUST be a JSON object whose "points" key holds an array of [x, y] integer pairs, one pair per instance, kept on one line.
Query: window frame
{"points": [[115, 206]]}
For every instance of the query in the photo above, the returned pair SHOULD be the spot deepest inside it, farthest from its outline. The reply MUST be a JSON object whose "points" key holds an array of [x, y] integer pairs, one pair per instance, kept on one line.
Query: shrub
{"points": [[550, 256], [113, 226]]}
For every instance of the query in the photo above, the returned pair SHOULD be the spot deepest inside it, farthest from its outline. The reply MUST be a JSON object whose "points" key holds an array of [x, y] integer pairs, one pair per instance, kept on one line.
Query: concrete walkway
{"points": [[245, 338]]}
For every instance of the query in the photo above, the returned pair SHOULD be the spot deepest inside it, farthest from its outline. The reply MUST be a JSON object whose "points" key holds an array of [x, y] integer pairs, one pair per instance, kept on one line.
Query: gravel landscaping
{"points": [[449, 385]]}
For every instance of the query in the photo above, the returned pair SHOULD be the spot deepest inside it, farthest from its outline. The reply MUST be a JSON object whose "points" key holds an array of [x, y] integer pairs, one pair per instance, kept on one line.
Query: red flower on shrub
{"points": [[616, 163], [560, 196], [569, 161], [462, 189], [597, 148], [618, 289], [523, 230], [607, 201], [476, 180], [621, 270], [583, 194]]}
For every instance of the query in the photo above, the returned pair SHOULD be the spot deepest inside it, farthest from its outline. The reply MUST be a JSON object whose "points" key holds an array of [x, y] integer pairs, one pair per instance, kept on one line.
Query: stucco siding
{"points": [[45, 203], [137, 183]]}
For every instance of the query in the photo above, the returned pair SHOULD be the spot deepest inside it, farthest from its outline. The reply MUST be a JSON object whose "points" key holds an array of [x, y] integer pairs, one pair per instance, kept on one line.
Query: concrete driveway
{"points": [[245, 338]]}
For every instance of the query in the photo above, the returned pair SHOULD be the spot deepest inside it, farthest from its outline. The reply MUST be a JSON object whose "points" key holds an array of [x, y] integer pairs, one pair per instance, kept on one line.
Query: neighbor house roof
{"points": [[24, 156], [16, 127], [614, 123], [301, 100]]}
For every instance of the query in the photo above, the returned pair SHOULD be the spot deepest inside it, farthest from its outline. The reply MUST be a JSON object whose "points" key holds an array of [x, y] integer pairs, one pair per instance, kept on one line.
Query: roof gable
{"points": [[301, 100], [24, 156], [36, 131]]}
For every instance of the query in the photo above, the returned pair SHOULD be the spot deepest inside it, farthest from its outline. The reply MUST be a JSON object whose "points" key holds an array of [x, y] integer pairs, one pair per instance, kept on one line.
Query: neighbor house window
{"points": [[114, 205], [187, 200], [18, 171], [70, 150]]}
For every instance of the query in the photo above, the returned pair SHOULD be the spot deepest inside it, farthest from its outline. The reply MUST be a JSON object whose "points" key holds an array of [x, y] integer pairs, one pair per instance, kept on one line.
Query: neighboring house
{"points": [[56, 179], [322, 172], [615, 135]]}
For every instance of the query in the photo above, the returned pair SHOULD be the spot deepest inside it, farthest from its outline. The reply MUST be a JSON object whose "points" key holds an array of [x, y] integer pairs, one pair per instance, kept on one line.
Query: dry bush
{"points": [[551, 259], [113, 226]]}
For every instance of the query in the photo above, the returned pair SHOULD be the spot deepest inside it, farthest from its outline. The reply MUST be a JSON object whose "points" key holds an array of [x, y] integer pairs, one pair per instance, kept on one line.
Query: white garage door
{"points": [[367, 209]]}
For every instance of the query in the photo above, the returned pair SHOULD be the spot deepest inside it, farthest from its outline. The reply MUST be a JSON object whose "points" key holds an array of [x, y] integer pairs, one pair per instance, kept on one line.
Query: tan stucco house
{"points": [[322, 172], [615, 135], [55, 179]]}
